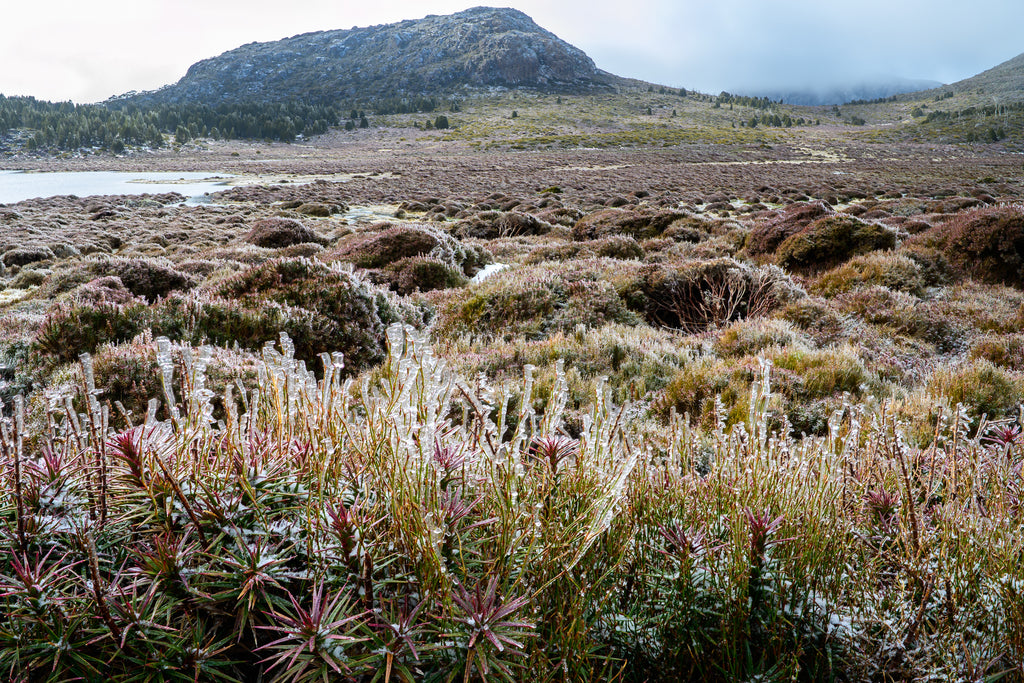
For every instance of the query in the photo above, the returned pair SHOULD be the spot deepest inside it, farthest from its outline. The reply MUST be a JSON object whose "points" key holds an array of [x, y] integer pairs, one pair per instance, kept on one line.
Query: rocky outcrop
{"points": [[479, 47]]}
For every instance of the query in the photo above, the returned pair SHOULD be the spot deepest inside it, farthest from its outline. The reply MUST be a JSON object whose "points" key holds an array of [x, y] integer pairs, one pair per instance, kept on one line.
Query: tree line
{"points": [[116, 125], [119, 124]]}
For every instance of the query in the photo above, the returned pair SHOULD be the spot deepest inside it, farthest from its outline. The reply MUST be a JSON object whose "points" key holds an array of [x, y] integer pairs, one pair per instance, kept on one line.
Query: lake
{"points": [[16, 186]]}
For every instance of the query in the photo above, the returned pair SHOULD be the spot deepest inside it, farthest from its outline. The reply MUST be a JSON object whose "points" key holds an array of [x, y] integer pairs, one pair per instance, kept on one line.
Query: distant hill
{"points": [[1004, 82], [873, 89], [479, 47]]}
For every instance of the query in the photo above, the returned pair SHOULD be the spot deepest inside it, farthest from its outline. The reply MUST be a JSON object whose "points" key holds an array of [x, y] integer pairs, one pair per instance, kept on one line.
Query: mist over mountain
{"points": [[479, 47], [868, 89]]}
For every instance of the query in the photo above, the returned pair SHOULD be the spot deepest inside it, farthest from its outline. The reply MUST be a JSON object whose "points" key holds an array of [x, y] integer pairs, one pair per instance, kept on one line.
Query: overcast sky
{"points": [[88, 51]]}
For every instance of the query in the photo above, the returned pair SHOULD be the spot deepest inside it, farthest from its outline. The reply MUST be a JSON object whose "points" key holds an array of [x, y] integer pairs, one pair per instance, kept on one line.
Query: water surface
{"points": [[16, 186]]}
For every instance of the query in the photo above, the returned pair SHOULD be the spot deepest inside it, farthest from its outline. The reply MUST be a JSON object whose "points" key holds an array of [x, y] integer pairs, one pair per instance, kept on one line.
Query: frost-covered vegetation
{"points": [[711, 413], [420, 525]]}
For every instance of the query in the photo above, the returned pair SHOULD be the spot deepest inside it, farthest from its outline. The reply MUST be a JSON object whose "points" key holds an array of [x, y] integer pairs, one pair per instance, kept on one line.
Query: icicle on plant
{"points": [[760, 396], [165, 362]]}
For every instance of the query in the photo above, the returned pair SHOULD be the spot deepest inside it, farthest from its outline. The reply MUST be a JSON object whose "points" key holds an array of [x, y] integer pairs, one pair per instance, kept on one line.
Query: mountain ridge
{"points": [[479, 47]]}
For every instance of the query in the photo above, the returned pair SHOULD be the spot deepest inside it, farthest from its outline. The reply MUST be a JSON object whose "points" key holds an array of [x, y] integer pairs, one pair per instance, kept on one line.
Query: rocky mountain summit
{"points": [[479, 47]]}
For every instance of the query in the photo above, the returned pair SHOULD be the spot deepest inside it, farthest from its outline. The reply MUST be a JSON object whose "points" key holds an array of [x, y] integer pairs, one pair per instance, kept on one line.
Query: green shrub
{"points": [[752, 337], [981, 386], [72, 329], [694, 388], [395, 243], [561, 215], [424, 274], [983, 308], [900, 313], [314, 209], [323, 309], [831, 240], [558, 252], [896, 271], [302, 250], [498, 225], [621, 247], [932, 263], [201, 318], [816, 317], [102, 290], [534, 303], [28, 278], [693, 229], [809, 374], [150, 278]]}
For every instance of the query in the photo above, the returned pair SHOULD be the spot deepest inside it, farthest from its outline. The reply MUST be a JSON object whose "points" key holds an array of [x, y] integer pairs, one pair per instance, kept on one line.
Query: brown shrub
{"points": [[707, 293], [393, 244], [275, 233], [22, 256], [984, 244], [767, 236], [1004, 350], [314, 209], [496, 225], [640, 224]]}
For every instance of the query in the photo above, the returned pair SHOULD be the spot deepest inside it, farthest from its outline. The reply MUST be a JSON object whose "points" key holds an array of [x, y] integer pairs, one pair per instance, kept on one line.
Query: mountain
{"points": [[869, 89], [1005, 81], [479, 47]]}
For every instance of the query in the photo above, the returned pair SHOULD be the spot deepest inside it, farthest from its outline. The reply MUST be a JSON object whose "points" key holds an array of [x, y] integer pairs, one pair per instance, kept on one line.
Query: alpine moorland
{"points": [[489, 365]]}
